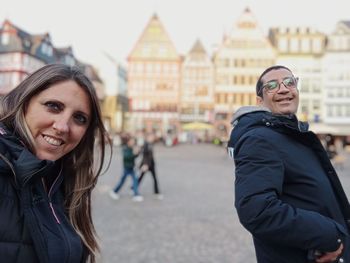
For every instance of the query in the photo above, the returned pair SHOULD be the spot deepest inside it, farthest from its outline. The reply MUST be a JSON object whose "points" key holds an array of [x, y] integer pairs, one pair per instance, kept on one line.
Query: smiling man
{"points": [[287, 193]]}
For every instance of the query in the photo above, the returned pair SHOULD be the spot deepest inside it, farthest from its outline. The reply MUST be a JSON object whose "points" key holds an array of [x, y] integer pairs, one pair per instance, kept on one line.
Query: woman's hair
{"points": [[259, 83], [80, 168]]}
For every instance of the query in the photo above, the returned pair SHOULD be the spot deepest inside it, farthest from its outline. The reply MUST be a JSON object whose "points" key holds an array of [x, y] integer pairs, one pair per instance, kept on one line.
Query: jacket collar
{"points": [[248, 118], [25, 165]]}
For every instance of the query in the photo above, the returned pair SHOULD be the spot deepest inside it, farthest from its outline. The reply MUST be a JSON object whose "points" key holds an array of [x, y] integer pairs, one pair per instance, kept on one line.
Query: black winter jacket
{"points": [[287, 194], [33, 224], [147, 156]]}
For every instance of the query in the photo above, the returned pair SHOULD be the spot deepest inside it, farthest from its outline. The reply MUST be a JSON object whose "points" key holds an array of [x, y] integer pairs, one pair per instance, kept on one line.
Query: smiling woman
{"points": [[48, 126], [57, 120]]}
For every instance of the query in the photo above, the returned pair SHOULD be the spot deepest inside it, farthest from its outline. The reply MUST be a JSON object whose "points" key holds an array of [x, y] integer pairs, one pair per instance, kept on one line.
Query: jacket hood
{"points": [[245, 110], [249, 117]]}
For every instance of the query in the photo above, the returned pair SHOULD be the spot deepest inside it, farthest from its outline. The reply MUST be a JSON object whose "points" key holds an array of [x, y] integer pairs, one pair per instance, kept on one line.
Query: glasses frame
{"points": [[296, 79]]}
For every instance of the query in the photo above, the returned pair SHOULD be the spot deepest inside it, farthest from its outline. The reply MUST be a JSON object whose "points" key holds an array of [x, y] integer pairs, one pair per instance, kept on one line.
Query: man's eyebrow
{"points": [[277, 79], [271, 80]]}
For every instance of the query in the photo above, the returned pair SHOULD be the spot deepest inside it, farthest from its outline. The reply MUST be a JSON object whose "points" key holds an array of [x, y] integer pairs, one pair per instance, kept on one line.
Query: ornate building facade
{"points": [[22, 53], [243, 54], [154, 72], [302, 50], [337, 77], [197, 86]]}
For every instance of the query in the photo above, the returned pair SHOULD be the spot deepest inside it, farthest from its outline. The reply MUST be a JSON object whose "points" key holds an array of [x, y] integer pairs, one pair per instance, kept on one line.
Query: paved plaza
{"points": [[194, 223]]}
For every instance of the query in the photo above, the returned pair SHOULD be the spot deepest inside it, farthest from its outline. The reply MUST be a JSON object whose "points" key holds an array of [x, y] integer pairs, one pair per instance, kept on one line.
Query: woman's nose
{"points": [[61, 126]]}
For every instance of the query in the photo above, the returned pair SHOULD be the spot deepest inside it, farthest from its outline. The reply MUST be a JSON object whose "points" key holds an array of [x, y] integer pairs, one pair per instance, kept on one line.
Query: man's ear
{"points": [[259, 100]]}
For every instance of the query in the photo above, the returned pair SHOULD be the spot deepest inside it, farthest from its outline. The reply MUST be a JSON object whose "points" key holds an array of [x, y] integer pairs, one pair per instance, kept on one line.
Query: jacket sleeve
{"points": [[258, 186]]}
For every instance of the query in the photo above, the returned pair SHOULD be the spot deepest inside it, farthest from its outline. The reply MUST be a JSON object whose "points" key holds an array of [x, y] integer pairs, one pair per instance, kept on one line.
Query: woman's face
{"points": [[58, 118]]}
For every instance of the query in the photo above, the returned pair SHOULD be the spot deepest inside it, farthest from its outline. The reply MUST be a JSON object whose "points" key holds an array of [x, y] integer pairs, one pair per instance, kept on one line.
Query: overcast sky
{"points": [[92, 27]]}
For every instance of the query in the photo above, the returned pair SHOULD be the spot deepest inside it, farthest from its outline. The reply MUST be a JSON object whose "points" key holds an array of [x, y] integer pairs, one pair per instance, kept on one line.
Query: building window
{"points": [[317, 46], [316, 87], [5, 38], [294, 45], [330, 111], [44, 48], [283, 45], [347, 110], [338, 110], [305, 45]]}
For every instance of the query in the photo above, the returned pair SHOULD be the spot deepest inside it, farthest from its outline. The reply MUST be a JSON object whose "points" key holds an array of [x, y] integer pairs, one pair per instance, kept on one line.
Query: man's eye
{"points": [[271, 85], [81, 119], [289, 82]]}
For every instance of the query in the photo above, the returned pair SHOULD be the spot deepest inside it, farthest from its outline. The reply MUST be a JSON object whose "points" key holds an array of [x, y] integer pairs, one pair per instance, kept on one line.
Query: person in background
{"points": [[287, 193], [147, 164], [130, 153], [48, 126]]}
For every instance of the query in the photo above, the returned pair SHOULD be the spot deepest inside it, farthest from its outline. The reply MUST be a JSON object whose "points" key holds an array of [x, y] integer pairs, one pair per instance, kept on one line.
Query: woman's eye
{"points": [[81, 119], [53, 106]]}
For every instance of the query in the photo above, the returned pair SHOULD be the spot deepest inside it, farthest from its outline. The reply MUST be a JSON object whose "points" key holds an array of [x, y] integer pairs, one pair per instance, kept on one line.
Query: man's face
{"points": [[284, 98]]}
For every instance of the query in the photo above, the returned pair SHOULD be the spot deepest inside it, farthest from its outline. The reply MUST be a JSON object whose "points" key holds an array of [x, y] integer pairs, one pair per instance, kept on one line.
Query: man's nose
{"points": [[282, 88]]}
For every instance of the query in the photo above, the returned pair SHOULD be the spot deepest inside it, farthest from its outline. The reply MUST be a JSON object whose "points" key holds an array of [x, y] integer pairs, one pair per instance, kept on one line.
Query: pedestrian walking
{"points": [[287, 193], [48, 126], [147, 164], [130, 153]]}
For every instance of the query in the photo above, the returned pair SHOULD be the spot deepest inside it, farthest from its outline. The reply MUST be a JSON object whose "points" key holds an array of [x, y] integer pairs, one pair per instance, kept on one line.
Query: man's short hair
{"points": [[259, 83]]}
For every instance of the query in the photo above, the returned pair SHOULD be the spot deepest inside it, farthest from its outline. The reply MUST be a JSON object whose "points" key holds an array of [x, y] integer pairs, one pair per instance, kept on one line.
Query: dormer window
{"points": [[5, 38], [27, 43], [44, 48], [69, 61], [49, 50]]}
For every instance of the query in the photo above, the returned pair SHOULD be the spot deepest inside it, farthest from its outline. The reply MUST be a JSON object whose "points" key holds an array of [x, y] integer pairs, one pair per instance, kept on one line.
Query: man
{"points": [[148, 164], [287, 193], [130, 153]]}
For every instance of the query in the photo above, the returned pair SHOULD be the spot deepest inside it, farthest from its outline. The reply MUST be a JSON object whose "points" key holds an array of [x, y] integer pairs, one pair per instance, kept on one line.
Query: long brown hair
{"points": [[81, 170]]}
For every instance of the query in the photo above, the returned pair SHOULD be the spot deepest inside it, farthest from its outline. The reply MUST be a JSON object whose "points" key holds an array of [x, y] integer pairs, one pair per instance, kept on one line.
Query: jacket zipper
{"points": [[55, 215], [53, 212], [49, 197]]}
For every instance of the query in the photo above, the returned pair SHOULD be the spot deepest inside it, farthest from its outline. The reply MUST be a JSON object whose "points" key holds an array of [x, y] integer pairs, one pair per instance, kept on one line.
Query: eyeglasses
{"points": [[273, 86]]}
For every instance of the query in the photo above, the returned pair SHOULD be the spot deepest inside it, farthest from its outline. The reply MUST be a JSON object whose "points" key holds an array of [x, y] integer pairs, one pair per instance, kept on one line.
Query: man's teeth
{"points": [[52, 141]]}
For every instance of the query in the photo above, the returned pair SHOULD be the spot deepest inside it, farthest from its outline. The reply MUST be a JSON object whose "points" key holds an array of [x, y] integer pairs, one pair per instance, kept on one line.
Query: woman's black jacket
{"points": [[33, 224]]}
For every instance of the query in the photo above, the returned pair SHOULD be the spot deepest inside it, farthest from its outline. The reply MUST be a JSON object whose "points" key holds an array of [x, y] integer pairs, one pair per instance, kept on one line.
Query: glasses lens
{"points": [[271, 86], [290, 82]]}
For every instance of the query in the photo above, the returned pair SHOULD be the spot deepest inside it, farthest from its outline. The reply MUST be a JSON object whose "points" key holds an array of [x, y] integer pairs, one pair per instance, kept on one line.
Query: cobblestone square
{"points": [[194, 223]]}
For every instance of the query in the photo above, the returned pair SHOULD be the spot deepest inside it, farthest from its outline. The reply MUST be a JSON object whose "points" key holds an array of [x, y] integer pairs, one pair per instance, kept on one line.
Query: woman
{"points": [[48, 125]]}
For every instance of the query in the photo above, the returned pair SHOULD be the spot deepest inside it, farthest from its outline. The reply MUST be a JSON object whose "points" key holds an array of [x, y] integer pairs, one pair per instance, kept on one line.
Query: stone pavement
{"points": [[194, 223]]}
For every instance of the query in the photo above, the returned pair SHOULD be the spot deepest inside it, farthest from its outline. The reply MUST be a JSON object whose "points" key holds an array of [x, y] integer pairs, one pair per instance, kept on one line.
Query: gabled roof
{"points": [[63, 51], [154, 43], [37, 40], [342, 27], [18, 40], [198, 48], [21, 41], [89, 71], [247, 35], [346, 22]]}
